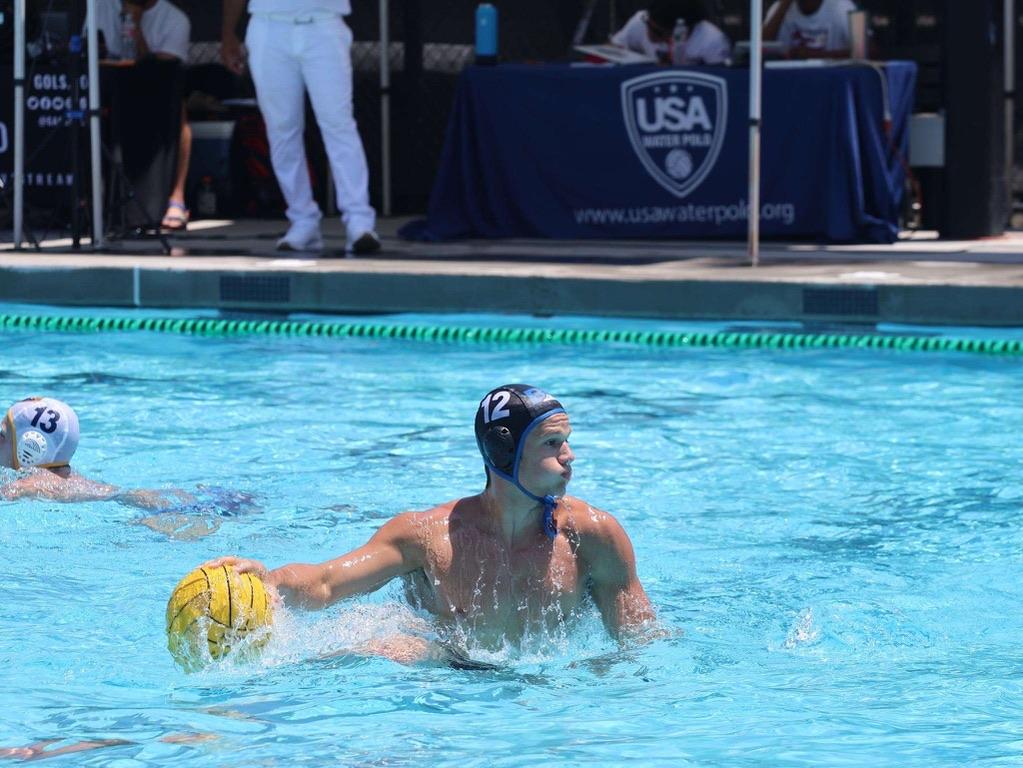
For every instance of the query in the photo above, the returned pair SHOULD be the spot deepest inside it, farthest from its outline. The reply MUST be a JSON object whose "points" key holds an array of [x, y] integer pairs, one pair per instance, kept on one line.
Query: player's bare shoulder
{"points": [[418, 528], [592, 531], [581, 520]]}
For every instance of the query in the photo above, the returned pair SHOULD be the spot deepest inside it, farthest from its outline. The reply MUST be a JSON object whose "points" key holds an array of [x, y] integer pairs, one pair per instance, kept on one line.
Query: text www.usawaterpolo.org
{"points": [[667, 214]]}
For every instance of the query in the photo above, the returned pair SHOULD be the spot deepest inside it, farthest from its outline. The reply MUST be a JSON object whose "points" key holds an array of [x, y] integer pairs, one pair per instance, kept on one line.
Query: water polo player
{"points": [[39, 436], [509, 562], [39, 432]]}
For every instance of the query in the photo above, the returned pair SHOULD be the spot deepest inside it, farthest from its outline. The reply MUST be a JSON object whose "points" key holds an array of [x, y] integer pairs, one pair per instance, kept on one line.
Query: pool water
{"points": [[831, 537]]}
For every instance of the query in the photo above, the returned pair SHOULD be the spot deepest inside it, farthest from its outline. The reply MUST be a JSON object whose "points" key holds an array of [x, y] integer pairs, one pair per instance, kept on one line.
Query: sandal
{"points": [[176, 218]]}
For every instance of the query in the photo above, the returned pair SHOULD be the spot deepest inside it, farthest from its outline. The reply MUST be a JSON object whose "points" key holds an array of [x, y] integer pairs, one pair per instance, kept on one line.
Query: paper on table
{"points": [[615, 54]]}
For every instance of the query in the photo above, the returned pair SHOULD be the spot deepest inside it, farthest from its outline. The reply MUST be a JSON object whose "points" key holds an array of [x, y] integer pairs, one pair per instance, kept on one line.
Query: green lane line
{"points": [[656, 339]]}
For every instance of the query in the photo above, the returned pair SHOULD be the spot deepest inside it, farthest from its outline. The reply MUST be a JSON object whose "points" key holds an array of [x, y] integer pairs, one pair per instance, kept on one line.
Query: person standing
{"points": [[294, 46]]}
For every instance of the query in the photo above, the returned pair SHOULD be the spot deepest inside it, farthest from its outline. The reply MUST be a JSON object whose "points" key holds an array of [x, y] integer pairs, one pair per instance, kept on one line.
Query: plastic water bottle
{"points": [[206, 198], [679, 41], [486, 34], [128, 49]]}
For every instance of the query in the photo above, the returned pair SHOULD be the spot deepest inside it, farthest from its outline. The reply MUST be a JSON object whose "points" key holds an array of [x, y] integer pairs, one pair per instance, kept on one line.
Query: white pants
{"points": [[287, 57]]}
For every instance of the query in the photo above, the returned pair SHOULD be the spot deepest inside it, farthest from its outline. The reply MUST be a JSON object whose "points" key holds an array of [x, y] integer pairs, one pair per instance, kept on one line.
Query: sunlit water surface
{"points": [[833, 539]]}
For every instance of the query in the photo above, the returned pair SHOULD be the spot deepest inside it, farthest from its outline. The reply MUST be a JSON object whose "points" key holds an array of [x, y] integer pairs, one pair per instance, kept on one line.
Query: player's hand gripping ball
{"points": [[216, 611]]}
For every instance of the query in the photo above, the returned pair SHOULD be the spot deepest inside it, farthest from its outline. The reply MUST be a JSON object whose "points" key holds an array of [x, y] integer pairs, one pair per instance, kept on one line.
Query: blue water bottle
{"points": [[486, 34]]}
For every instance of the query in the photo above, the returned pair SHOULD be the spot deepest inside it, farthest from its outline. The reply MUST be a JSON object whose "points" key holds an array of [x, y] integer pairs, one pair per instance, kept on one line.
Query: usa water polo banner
{"points": [[605, 152]]}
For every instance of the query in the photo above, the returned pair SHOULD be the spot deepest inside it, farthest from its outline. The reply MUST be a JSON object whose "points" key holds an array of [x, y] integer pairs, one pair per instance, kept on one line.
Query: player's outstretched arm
{"points": [[42, 484], [389, 553]]}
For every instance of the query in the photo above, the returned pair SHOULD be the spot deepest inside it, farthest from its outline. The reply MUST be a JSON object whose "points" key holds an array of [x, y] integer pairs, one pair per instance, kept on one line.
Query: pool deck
{"points": [[233, 265]]}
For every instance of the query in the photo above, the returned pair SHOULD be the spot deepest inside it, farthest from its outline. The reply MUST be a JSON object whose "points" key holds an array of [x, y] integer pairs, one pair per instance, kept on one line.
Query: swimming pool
{"points": [[834, 534]]}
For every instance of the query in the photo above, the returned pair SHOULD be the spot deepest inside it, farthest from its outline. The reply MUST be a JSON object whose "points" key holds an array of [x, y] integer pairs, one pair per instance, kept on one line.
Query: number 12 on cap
{"points": [[498, 400]]}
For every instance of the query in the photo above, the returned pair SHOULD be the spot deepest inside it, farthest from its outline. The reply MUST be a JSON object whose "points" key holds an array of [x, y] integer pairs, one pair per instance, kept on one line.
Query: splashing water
{"points": [[831, 536]]}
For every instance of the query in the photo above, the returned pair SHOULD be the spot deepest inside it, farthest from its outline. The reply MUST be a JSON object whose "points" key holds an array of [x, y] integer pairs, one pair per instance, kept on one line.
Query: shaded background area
{"points": [[431, 43]]}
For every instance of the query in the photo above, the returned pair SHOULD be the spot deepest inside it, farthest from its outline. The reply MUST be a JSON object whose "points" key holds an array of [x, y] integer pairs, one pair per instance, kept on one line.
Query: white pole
{"points": [[756, 52], [94, 127], [1010, 92], [19, 120], [385, 109]]}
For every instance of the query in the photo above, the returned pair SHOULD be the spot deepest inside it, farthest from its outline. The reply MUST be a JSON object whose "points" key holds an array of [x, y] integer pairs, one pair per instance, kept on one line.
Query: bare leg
{"points": [[181, 527], [404, 649], [188, 738], [410, 649], [177, 215]]}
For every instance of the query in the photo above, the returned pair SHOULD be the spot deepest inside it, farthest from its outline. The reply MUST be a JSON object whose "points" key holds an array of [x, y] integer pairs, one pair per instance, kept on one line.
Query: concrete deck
{"points": [[233, 265]]}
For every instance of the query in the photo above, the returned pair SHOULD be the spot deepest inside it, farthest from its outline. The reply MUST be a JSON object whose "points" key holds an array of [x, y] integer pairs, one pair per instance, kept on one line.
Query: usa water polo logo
{"points": [[676, 123]]}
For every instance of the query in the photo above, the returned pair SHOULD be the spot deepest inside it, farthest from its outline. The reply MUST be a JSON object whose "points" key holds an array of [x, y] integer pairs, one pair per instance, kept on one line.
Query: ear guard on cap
{"points": [[31, 448], [499, 448], [43, 432]]}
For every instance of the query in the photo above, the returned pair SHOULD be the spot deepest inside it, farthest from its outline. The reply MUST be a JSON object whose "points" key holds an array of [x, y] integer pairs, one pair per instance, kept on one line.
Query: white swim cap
{"points": [[43, 432]]}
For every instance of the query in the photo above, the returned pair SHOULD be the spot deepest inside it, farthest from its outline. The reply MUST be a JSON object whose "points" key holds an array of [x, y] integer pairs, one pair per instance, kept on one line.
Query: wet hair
{"points": [[664, 13]]}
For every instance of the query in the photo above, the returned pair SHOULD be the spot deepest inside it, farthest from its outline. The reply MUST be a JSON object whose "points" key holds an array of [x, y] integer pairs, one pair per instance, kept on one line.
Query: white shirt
{"points": [[706, 44], [825, 30], [634, 37], [299, 7], [165, 28]]}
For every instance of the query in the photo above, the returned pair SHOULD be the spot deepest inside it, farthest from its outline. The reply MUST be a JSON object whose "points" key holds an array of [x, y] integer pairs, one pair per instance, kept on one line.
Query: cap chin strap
{"points": [[548, 501], [549, 528], [7, 426]]}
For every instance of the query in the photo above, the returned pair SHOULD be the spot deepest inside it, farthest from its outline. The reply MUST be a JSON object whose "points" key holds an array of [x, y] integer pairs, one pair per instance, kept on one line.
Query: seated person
{"points": [[161, 30], [652, 31], [811, 29], [39, 436]]}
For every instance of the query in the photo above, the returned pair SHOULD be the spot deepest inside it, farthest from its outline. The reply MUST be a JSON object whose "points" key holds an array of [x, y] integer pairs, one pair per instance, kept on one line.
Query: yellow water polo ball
{"points": [[215, 610]]}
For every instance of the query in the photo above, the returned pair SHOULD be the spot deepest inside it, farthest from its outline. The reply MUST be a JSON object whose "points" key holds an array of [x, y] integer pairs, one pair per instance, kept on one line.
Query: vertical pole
{"points": [[76, 123], [1009, 55], [19, 120], [385, 109], [756, 52], [94, 127]]}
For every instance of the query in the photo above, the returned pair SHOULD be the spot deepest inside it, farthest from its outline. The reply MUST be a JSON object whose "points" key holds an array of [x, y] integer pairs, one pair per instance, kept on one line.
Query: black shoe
{"points": [[365, 244]]}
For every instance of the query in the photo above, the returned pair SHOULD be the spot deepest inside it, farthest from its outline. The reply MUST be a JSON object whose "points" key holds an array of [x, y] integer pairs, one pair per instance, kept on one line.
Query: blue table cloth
{"points": [[564, 151]]}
